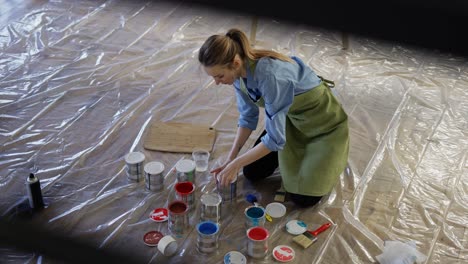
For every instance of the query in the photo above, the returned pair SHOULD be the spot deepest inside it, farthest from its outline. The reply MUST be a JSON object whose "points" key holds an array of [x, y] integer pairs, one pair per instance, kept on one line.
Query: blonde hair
{"points": [[221, 50]]}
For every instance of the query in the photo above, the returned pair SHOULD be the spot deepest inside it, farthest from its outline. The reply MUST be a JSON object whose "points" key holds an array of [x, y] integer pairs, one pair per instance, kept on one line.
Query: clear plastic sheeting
{"points": [[82, 81]]}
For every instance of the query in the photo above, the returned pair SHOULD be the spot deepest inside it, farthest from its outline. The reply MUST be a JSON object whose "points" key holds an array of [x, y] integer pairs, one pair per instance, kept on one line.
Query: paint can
{"points": [[254, 216], [211, 207], [185, 191], [154, 177], [207, 240], [178, 218], [257, 242], [134, 162], [228, 193], [185, 170]]}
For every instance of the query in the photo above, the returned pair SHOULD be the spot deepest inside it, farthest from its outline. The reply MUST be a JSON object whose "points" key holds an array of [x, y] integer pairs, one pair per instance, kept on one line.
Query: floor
{"points": [[82, 81]]}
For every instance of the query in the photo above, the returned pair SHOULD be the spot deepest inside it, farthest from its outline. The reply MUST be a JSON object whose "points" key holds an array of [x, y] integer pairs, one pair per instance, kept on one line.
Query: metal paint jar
{"points": [[134, 162], [257, 242], [185, 191], [178, 220], [154, 177], [185, 170], [211, 207], [207, 240]]}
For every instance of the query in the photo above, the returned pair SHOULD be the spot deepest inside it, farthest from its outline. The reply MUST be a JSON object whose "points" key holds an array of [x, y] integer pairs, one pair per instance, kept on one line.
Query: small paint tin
{"points": [[152, 238], [228, 193], [211, 207], [134, 162], [178, 218], [185, 191], [167, 245], [207, 240], [254, 216], [257, 242], [235, 257], [283, 253], [296, 227], [154, 177], [185, 170], [159, 215]]}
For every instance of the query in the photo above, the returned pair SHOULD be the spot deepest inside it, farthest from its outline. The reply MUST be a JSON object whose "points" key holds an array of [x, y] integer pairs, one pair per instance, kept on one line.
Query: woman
{"points": [[306, 129]]}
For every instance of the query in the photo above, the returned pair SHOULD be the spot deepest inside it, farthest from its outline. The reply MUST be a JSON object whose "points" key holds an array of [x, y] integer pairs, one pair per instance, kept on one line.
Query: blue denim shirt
{"points": [[277, 82]]}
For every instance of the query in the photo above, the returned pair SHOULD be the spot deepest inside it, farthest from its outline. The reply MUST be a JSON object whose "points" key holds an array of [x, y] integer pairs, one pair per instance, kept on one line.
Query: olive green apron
{"points": [[317, 141]]}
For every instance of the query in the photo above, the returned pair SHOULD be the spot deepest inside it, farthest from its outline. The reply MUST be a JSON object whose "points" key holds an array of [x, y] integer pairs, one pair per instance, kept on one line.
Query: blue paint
{"points": [[255, 212], [207, 228]]}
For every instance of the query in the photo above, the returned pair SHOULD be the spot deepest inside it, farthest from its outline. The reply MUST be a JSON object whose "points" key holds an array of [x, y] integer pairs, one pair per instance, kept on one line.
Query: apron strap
{"points": [[328, 83]]}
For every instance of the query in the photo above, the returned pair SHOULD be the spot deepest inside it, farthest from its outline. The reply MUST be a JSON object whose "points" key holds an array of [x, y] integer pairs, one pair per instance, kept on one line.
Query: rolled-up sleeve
{"points": [[248, 111], [278, 93]]}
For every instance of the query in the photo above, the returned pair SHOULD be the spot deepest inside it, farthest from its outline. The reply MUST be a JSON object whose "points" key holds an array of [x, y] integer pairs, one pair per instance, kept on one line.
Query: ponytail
{"points": [[221, 50]]}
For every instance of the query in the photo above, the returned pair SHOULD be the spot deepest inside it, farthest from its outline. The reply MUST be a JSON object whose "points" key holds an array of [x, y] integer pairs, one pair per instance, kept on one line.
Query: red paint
{"points": [[257, 233], [178, 207], [152, 238], [184, 188], [283, 253], [159, 215]]}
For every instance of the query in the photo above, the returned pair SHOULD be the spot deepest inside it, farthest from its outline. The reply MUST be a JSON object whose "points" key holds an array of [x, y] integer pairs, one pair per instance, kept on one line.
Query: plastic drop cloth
{"points": [[81, 82]]}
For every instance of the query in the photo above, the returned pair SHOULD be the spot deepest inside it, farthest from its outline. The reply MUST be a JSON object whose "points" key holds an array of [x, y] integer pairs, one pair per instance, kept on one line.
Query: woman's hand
{"points": [[216, 170], [227, 173]]}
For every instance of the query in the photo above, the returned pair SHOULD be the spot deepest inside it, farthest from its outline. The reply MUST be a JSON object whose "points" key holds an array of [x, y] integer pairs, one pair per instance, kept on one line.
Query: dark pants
{"points": [[265, 167]]}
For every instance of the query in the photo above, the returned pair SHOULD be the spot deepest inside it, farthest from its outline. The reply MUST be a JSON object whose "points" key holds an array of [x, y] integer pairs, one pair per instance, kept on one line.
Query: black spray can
{"points": [[34, 192]]}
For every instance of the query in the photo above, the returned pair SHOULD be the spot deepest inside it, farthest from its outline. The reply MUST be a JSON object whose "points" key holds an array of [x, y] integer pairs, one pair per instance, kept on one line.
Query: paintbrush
{"points": [[280, 194], [253, 200], [309, 237]]}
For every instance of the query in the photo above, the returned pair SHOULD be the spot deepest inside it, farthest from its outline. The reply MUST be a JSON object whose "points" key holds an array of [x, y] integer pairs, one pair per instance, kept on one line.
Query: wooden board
{"points": [[179, 137]]}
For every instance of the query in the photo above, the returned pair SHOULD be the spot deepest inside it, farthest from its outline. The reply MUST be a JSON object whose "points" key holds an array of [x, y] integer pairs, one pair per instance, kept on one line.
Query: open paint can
{"points": [[207, 240], [257, 242], [178, 218], [185, 191]]}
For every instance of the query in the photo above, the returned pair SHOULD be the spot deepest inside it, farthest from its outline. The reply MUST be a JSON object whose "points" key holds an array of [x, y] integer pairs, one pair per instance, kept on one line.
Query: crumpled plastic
{"points": [[397, 252]]}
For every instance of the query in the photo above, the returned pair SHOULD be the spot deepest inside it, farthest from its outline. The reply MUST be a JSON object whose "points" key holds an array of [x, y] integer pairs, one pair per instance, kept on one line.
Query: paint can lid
{"points": [[152, 238], [185, 165], [275, 210], [234, 257], [211, 199], [296, 227], [283, 253], [159, 215], [167, 245], [134, 157], [154, 167]]}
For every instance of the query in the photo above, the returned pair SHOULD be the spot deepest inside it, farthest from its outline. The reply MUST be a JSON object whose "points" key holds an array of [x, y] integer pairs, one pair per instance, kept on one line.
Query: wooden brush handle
{"points": [[320, 229]]}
